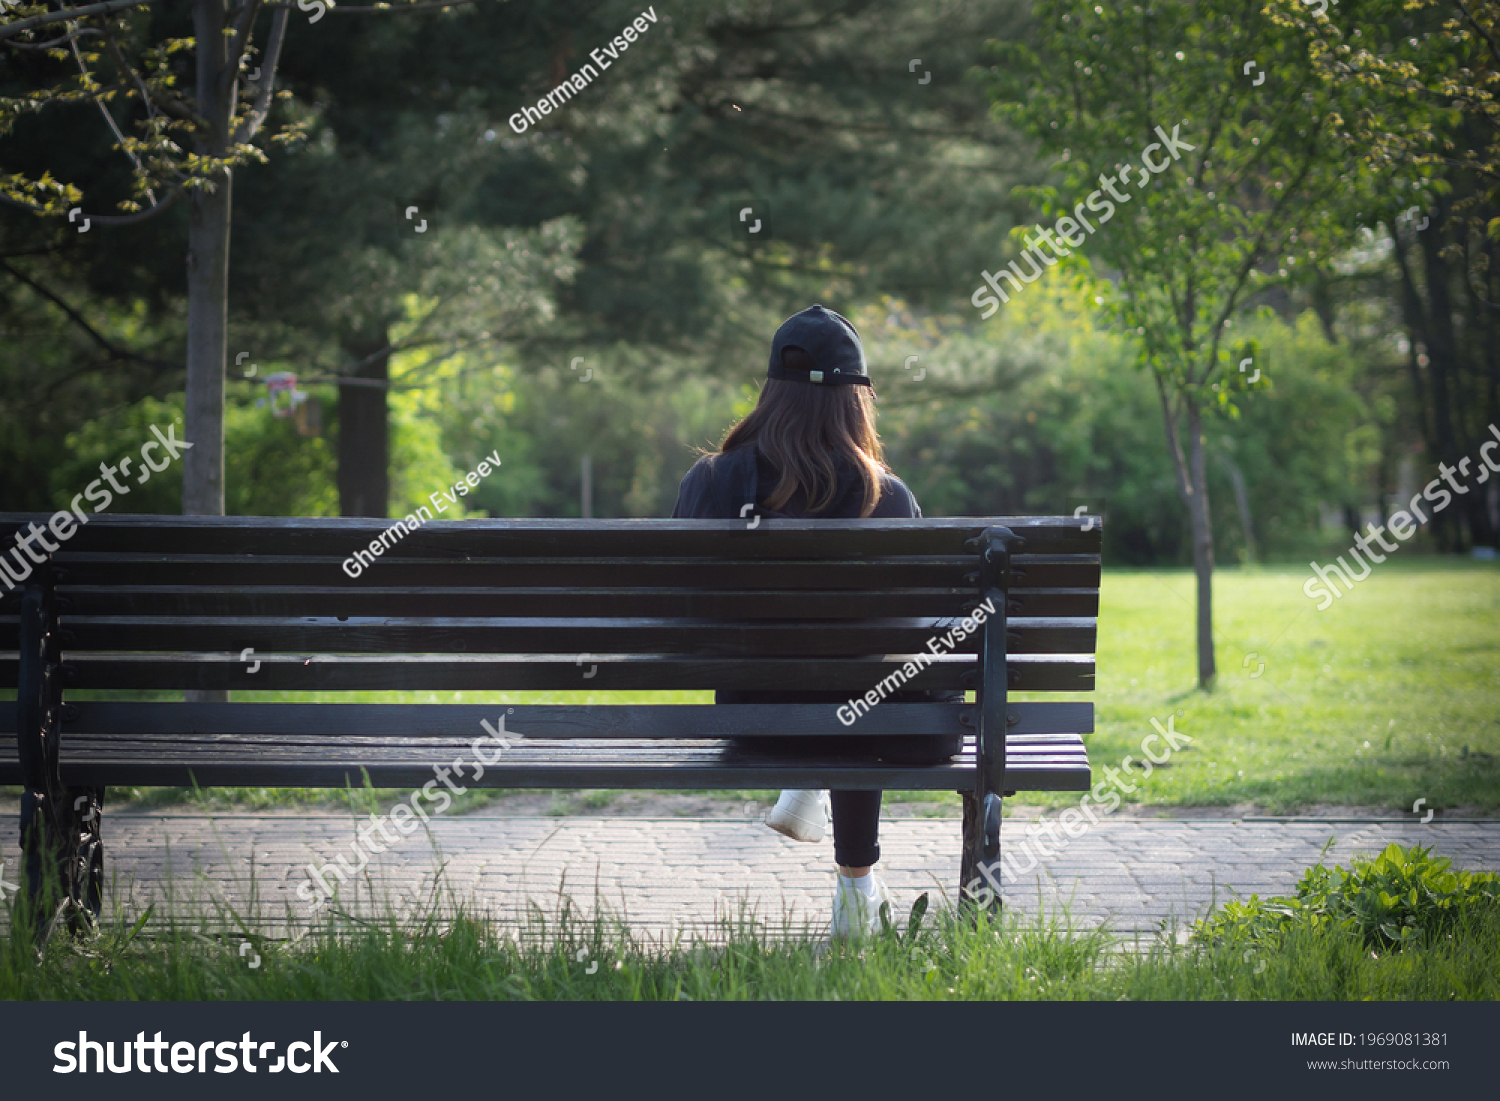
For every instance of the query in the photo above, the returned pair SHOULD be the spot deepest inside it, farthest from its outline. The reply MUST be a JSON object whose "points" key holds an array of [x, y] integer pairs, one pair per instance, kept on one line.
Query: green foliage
{"points": [[1417, 81], [1040, 413], [1237, 187], [272, 471], [174, 149], [1404, 898], [108, 439], [1037, 413], [419, 465], [601, 235], [1303, 440], [1260, 197]]}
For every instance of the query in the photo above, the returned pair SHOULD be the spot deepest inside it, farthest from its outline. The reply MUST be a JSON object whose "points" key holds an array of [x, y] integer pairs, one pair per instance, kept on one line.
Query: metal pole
{"points": [[588, 487]]}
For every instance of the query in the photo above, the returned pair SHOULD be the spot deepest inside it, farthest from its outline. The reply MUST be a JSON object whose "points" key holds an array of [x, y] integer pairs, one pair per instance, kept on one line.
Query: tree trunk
{"points": [[1192, 486], [1203, 547], [1487, 355], [208, 317], [1351, 519], [208, 294], [1416, 315], [364, 433], [1384, 478], [1242, 501], [208, 281], [1443, 366]]}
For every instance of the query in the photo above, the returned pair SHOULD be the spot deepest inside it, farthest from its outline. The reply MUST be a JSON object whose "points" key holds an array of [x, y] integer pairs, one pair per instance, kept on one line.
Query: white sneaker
{"points": [[801, 815], [855, 913]]}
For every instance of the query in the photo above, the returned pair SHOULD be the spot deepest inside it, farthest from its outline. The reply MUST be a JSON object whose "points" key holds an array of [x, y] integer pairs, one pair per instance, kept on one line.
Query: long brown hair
{"points": [[802, 427]]}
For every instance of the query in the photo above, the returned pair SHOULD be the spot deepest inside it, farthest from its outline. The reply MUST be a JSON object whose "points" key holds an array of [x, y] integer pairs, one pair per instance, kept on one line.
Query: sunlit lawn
{"points": [[1390, 695]]}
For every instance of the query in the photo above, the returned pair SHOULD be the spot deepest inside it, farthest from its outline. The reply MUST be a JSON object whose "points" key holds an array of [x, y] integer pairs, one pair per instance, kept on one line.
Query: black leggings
{"points": [[856, 814], [856, 828]]}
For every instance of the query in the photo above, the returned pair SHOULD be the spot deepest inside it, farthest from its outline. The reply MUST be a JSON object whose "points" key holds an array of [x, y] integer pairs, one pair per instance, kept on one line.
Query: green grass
{"points": [[1390, 695], [443, 955]]}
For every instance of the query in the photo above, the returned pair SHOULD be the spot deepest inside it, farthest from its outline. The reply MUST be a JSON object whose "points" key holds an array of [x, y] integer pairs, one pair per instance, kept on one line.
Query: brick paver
{"points": [[681, 874]]}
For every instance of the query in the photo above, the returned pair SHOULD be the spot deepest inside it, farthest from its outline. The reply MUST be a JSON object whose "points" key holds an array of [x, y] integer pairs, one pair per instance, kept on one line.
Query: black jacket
{"points": [[718, 487]]}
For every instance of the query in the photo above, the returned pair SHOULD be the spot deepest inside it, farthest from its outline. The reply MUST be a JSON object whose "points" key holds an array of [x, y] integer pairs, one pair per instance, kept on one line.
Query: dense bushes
{"points": [[1402, 898]]}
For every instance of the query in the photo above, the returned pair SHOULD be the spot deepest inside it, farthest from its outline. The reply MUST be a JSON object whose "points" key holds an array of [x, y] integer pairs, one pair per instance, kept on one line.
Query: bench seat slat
{"points": [[371, 723], [429, 752], [637, 755], [546, 764]]}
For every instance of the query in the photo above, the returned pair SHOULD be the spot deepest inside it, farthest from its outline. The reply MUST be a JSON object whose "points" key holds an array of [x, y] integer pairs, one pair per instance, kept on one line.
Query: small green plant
{"points": [[1402, 898]]}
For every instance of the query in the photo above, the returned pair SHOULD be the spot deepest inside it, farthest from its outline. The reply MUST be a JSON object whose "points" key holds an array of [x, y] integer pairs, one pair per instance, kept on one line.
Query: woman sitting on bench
{"points": [[809, 449]]}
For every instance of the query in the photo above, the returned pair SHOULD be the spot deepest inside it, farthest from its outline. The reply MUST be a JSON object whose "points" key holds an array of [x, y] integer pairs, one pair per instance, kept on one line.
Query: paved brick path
{"points": [[678, 874]]}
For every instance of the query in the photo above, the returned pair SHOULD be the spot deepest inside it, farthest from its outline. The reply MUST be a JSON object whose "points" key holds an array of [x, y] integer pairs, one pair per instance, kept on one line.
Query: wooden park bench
{"points": [[501, 606]]}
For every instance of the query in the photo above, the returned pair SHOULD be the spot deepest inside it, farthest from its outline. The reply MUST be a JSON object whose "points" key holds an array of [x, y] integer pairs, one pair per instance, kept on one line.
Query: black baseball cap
{"points": [[833, 343]]}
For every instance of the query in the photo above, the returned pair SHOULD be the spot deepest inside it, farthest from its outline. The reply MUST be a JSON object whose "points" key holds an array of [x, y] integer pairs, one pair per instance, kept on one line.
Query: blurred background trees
{"points": [[606, 244]]}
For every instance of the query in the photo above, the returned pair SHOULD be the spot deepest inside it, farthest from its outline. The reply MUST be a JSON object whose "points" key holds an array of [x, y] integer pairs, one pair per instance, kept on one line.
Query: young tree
{"points": [[183, 146], [1200, 166]]}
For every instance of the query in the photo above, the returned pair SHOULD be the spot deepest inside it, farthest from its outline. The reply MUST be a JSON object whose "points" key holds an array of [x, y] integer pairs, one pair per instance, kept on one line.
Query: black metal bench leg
{"points": [[61, 837], [992, 720], [976, 891], [84, 850]]}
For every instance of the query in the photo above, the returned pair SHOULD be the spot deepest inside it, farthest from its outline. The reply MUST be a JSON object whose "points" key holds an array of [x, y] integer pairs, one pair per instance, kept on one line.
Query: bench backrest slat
{"points": [[338, 538], [474, 672], [221, 601], [729, 638], [166, 601], [89, 568]]}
